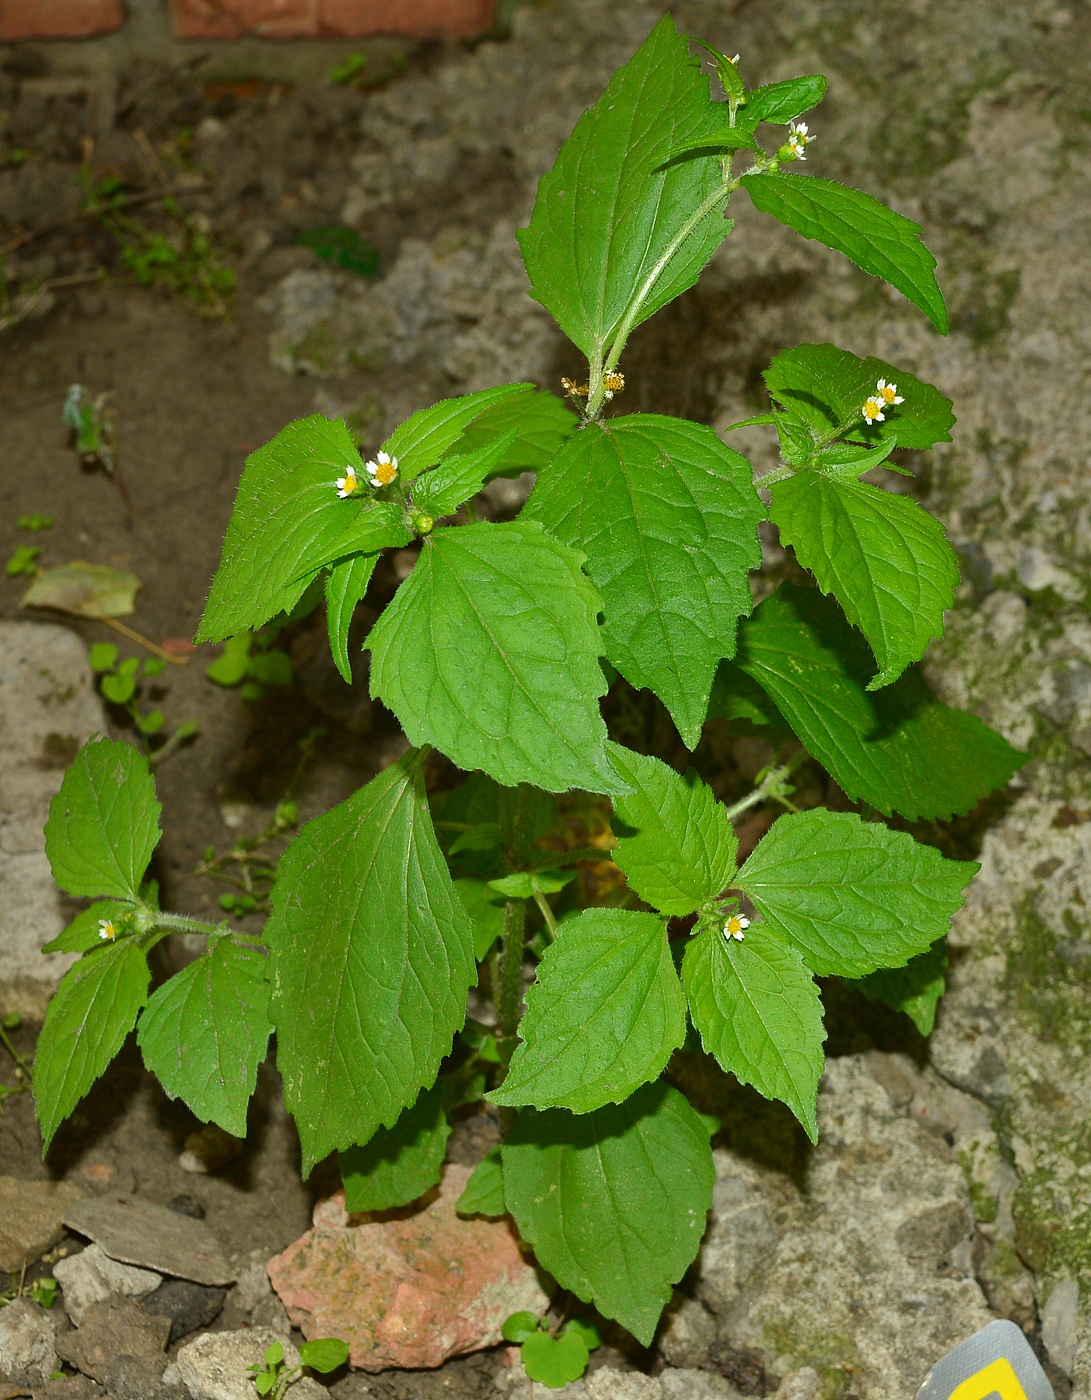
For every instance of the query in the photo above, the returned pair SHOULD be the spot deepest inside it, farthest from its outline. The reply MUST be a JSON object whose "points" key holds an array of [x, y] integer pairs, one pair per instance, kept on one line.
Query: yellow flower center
{"points": [[108, 931], [889, 393], [872, 408], [385, 472], [350, 485], [734, 925]]}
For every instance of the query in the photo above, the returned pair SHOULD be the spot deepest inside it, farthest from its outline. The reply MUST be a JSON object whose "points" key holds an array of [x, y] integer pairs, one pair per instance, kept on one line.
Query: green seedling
{"points": [[348, 71], [273, 1378], [35, 522], [627, 571], [92, 424], [120, 682], [344, 247], [23, 561], [555, 1355], [250, 660]]}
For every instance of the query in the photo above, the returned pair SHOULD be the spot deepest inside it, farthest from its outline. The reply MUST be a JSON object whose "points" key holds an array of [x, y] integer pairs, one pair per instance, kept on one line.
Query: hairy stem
{"points": [[546, 912], [774, 784], [509, 989]]}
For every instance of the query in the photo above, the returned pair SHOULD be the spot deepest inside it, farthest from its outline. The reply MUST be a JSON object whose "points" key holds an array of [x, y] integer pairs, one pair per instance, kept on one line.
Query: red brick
{"points": [[328, 19], [423, 19], [231, 19], [58, 19]]}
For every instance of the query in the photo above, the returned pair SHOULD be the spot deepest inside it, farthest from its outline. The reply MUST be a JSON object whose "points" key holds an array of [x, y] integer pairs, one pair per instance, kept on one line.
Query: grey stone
{"points": [[208, 1150], [30, 1217], [252, 1302], [686, 1333], [27, 1333], [1060, 1323], [804, 1384], [92, 1276], [117, 1327], [135, 1231], [187, 1305], [214, 1366], [135, 1378], [48, 710], [608, 1384], [686, 1384]]}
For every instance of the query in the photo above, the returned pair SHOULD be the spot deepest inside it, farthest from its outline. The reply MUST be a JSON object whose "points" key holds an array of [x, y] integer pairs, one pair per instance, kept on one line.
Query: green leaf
{"points": [[725, 138], [826, 388], [118, 689], [343, 246], [273, 667], [525, 884], [372, 956], [587, 1331], [490, 652], [604, 1015], [555, 1360], [874, 237], [486, 911], [102, 656], [82, 934], [519, 1326], [152, 722], [286, 516], [758, 1012], [231, 665], [459, 478], [104, 823], [486, 836], [614, 1202], [423, 439], [323, 1354], [401, 1163], [899, 749], [853, 896], [369, 526], [541, 422], [274, 1354], [608, 211], [484, 1194], [206, 1030], [677, 847], [782, 102], [741, 701], [885, 559], [668, 518], [346, 585], [92, 1011], [915, 988]]}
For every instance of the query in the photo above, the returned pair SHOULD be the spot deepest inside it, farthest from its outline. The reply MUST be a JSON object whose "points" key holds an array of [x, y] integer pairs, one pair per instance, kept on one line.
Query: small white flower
{"points": [[383, 470], [107, 930], [735, 60], [348, 483], [799, 139], [873, 410], [888, 392], [736, 927]]}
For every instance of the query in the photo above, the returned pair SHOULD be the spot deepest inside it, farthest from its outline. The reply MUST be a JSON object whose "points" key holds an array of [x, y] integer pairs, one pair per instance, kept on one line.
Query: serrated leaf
{"points": [[205, 1033], [372, 956], [604, 1014], [608, 211], [104, 822], [346, 585], [667, 516], [369, 526], [826, 388], [484, 1193], [676, 845], [92, 1011], [458, 478], [915, 988], [542, 425], [848, 461], [422, 440], [884, 558], [853, 896], [490, 652], [758, 1013], [614, 1202], [899, 749], [554, 1360], [486, 910], [401, 1163], [781, 102], [876, 238], [323, 1354], [725, 138], [741, 701], [82, 934], [286, 513]]}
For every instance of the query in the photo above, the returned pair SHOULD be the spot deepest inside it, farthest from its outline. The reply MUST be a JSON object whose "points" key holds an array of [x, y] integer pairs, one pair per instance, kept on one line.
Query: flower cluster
{"points": [[885, 396], [613, 381], [381, 472], [736, 927], [107, 930], [799, 138]]}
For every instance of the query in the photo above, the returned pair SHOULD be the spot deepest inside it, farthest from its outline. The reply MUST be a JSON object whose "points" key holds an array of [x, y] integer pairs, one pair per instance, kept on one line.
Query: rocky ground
{"points": [[952, 1183]]}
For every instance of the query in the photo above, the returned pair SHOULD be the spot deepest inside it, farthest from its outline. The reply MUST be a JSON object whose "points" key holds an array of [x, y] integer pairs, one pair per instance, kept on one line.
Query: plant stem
{"points": [[772, 785], [546, 912], [181, 923], [509, 991], [597, 393]]}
